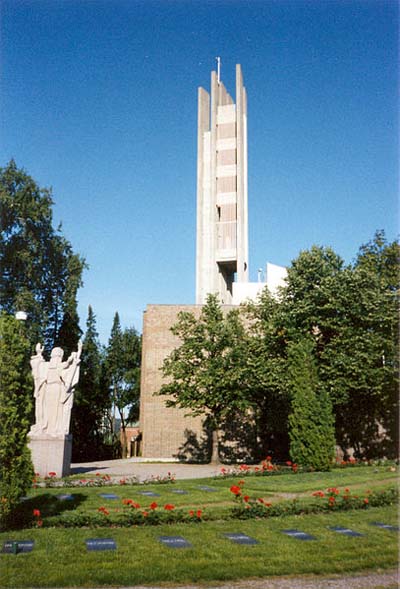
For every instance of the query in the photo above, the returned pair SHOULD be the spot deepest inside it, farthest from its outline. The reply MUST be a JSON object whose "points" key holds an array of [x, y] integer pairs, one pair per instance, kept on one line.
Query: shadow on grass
{"points": [[47, 504]]}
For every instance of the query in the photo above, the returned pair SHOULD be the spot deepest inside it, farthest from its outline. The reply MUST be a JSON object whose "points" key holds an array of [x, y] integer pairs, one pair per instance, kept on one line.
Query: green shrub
{"points": [[16, 469], [311, 422]]}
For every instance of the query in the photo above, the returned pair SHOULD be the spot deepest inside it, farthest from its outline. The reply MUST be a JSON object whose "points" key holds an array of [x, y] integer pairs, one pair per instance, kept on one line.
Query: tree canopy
{"points": [[204, 373], [39, 272]]}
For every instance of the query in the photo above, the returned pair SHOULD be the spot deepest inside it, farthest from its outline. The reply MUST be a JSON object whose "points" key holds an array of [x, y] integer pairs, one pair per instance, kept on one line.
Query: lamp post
{"points": [[21, 316]]}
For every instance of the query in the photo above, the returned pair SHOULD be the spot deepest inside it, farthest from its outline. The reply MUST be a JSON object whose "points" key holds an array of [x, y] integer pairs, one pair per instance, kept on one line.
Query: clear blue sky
{"points": [[99, 101]]}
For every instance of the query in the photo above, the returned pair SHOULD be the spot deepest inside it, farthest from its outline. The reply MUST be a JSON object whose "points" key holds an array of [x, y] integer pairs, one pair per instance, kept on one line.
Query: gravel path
{"points": [[377, 580]]}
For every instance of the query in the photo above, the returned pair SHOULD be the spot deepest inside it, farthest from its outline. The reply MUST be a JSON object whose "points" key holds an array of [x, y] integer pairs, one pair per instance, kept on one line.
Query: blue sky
{"points": [[99, 101]]}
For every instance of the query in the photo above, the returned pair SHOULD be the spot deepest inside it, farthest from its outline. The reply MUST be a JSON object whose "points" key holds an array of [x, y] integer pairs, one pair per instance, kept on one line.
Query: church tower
{"points": [[222, 214]]}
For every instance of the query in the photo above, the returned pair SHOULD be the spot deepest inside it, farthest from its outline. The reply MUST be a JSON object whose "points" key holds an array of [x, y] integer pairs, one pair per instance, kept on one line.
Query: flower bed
{"points": [[131, 513]]}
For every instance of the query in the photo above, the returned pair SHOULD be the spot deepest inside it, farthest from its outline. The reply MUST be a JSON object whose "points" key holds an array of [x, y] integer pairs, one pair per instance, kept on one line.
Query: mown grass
{"points": [[219, 501], [60, 558]]}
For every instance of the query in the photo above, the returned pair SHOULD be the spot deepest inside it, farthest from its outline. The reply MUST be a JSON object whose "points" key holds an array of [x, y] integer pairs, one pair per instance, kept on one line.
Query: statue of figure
{"points": [[54, 390]]}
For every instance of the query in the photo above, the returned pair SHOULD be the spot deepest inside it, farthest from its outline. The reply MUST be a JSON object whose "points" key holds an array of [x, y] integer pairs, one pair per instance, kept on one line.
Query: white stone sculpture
{"points": [[54, 390]]}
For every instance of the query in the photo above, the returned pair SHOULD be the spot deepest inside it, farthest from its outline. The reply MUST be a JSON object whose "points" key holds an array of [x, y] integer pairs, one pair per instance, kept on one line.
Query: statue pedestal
{"points": [[51, 454]]}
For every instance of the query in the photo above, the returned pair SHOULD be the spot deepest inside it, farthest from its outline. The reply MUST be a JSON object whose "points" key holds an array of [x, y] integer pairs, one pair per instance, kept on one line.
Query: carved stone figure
{"points": [[54, 390]]}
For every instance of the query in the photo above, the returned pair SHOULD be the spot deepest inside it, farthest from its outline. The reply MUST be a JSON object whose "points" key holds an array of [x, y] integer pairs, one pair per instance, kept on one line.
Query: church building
{"points": [[222, 265]]}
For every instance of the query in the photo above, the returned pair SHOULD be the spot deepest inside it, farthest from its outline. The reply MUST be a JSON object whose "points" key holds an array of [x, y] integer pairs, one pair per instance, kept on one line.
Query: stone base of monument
{"points": [[51, 454]]}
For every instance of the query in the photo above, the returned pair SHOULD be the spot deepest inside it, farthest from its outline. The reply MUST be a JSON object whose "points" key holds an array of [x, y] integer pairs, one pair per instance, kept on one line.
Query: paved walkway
{"points": [[143, 470]]}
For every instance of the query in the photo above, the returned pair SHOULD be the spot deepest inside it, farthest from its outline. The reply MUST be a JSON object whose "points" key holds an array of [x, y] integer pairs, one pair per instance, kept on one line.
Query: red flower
{"points": [[198, 513], [236, 490], [104, 511], [39, 523], [153, 505], [267, 504], [318, 494], [145, 514], [36, 513], [246, 498], [52, 474], [366, 501], [269, 458], [288, 462], [191, 513], [260, 499], [270, 467], [122, 482], [169, 507], [241, 483]]}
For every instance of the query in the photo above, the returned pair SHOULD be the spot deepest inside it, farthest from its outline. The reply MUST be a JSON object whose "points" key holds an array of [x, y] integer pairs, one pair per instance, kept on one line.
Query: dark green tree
{"points": [[16, 387], [351, 313], [122, 375], [39, 272], [204, 373], [91, 399], [311, 422], [359, 366], [265, 360]]}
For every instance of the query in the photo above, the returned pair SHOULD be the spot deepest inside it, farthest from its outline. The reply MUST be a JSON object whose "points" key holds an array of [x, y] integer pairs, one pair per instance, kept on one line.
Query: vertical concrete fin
{"points": [[203, 126]]}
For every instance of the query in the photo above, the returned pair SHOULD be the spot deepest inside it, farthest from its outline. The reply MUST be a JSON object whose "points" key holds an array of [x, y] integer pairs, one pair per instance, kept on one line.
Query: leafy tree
{"points": [[266, 371], [360, 365], [91, 398], [39, 273], [204, 373], [16, 387], [351, 312], [122, 374], [311, 422]]}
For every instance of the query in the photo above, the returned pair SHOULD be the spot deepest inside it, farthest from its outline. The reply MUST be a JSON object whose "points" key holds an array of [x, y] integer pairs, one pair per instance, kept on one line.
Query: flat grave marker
{"points": [[65, 497], [207, 489], [109, 495], [389, 527], [149, 493], [174, 541], [344, 531], [97, 544], [299, 535], [179, 491], [240, 538], [17, 546]]}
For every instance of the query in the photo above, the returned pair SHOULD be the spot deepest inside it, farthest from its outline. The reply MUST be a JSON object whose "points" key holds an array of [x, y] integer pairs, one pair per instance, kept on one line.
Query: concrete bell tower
{"points": [[222, 211]]}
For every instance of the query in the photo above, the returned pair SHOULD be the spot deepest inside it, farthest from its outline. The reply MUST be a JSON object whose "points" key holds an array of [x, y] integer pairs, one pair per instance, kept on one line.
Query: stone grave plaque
{"points": [[299, 535], [149, 493], [174, 541], [65, 497], [345, 531], [179, 491], [17, 546], [239, 538], [109, 496], [100, 544], [385, 526], [207, 489]]}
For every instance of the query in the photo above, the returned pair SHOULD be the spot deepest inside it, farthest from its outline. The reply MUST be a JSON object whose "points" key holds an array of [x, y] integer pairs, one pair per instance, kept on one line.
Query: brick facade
{"points": [[163, 428]]}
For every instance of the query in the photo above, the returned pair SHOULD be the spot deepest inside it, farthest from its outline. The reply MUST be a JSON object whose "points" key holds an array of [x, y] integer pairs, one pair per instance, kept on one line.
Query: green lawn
{"points": [[60, 557]]}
